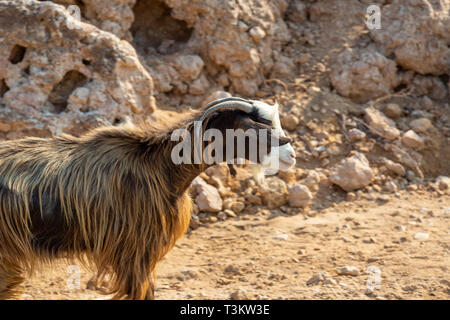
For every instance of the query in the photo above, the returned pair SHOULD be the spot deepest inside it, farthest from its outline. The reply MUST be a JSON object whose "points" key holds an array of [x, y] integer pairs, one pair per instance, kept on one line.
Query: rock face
{"points": [[363, 76], [60, 74], [236, 49], [417, 34], [352, 173]]}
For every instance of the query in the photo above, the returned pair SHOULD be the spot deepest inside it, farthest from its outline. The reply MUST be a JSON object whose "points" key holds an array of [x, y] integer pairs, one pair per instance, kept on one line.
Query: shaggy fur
{"points": [[111, 199]]}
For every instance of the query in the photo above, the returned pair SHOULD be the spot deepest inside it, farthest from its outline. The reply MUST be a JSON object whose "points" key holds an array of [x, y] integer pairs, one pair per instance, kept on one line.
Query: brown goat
{"points": [[111, 198]]}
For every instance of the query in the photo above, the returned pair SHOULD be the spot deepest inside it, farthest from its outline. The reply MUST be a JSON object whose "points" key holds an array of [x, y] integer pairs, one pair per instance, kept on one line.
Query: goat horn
{"points": [[214, 102], [246, 106]]}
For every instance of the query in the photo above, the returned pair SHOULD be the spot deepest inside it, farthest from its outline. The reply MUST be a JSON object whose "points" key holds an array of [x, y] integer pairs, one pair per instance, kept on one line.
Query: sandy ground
{"points": [[263, 256]]}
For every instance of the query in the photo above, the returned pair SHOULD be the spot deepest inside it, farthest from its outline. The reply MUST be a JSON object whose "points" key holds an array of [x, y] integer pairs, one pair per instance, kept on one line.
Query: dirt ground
{"points": [[272, 257]]}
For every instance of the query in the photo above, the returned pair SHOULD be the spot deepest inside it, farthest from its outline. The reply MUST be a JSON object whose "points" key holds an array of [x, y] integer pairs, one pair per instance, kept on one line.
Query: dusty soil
{"points": [[266, 256]]}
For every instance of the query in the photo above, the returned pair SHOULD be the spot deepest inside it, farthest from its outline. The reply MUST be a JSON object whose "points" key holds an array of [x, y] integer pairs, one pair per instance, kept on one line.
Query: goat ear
{"points": [[284, 140]]}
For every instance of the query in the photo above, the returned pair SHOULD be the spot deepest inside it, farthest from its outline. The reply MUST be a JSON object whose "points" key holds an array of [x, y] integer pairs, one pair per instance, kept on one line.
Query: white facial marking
{"points": [[282, 157]]}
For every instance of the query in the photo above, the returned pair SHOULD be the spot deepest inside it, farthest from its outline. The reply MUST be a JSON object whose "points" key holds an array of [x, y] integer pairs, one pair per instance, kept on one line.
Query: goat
{"points": [[111, 198]]}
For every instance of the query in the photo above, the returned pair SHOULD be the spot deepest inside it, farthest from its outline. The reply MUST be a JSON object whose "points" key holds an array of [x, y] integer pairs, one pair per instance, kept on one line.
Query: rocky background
{"points": [[368, 109]]}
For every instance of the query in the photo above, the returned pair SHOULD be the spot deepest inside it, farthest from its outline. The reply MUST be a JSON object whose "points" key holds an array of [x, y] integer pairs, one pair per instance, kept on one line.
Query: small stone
{"points": [[237, 206], [393, 110], [369, 240], [329, 281], [317, 278], [421, 124], [392, 166], [426, 102], [409, 288], [348, 271], [412, 140], [232, 269], [229, 213], [274, 193], [290, 122], [383, 197], [312, 180], [380, 124], [410, 175], [195, 222], [421, 236], [222, 215], [400, 228], [390, 187], [355, 134], [189, 66], [208, 198], [352, 173], [299, 196], [257, 33], [443, 183], [350, 196], [281, 237], [239, 294]]}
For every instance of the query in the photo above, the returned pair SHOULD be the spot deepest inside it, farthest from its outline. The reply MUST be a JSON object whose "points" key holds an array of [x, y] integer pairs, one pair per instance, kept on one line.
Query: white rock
{"points": [[352, 173], [282, 236], [208, 198], [421, 236], [299, 196], [395, 167], [257, 33], [380, 124], [412, 140], [348, 271], [355, 134]]}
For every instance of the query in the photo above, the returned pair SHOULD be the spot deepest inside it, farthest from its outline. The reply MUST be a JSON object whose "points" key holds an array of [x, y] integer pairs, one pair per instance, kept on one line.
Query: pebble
{"points": [[232, 269], [393, 110], [355, 134], [390, 186], [317, 278], [290, 122], [412, 140], [239, 294], [421, 124], [281, 237], [350, 196], [299, 196], [348, 271], [421, 236]]}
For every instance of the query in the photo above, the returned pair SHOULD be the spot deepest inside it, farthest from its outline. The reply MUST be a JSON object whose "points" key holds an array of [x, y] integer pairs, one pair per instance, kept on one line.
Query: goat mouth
{"points": [[287, 163]]}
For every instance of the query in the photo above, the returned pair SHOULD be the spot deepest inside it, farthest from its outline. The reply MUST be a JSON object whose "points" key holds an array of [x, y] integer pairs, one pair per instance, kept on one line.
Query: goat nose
{"points": [[292, 155]]}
